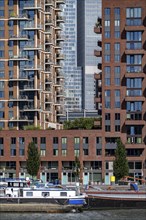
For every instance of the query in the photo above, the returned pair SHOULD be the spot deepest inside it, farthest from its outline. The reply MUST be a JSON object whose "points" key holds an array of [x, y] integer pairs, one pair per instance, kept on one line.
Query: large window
{"points": [[134, 83], [133, 16], [134, 106], [134, 59]]}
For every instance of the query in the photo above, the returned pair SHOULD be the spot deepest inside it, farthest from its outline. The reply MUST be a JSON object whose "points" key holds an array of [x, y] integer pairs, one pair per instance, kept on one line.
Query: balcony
{"points": [[134, 118], [31, 6], [20, 118], [134, 24], [18, 57], [60, 56], [98, 30], [98, 53], [30, 108], [48, 61], [22, 17], [32, 47], [49, 22], [29, 67], [18, 37], [99, 66], [134, 48], [60, 37], [60, 1], [60, 75], [31, 87], [99, 43], [98, 99], [60, 19], [20, 78], [32, 26], [49, 3], [98, 76], [59, 6]]}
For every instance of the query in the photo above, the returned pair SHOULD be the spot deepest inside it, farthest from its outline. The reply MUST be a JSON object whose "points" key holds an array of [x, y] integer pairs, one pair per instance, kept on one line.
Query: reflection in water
{"points": [[86, 215]]}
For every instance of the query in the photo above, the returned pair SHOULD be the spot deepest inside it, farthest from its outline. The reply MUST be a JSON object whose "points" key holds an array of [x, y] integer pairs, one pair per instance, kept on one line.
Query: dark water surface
{"points": [[132, 214]]}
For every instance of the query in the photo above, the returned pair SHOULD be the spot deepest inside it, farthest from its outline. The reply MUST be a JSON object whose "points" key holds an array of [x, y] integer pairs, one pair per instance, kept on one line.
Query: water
{"points": [[132, 214]]}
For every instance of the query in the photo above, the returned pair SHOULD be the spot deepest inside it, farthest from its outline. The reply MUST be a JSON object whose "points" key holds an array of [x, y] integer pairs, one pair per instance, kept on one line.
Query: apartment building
{"points": [[122, 80], [31, 78]]}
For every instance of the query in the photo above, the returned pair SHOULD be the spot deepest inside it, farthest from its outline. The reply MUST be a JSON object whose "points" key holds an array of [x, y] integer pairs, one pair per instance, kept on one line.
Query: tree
{"points": [[33, 160], [77, 168], [120, 165]]}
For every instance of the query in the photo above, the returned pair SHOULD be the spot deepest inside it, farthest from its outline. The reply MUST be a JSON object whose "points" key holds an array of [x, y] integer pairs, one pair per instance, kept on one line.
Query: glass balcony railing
{"points": [[134, 92], [133, 45], [133, 21], [134, 69]]}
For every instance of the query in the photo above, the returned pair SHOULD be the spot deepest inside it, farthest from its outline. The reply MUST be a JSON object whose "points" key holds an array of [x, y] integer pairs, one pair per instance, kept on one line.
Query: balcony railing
{"points": [[134, 69], [133, 45], [133, 21], [134, 92]]}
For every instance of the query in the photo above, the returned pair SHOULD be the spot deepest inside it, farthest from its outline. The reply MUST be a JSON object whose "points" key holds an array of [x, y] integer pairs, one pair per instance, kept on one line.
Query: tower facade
{"points": [[123, 77], [72, 73], [31, 80], [88, 11]]}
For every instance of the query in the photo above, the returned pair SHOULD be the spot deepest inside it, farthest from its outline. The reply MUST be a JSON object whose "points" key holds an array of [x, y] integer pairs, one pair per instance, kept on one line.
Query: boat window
{"points": [[63, 194], [29, 193], [45, 194], [15, 184], [21, 184]]}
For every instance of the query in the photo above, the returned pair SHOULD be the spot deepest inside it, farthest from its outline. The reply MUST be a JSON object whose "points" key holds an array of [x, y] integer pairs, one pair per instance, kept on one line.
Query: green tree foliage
{"points": [[120, 165], [33, 160], [80, 123], [77, 168], [31, 127]]}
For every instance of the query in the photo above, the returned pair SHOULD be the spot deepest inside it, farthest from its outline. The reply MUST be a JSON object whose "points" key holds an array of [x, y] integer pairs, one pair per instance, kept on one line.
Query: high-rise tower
{"points": [[31, 80]]}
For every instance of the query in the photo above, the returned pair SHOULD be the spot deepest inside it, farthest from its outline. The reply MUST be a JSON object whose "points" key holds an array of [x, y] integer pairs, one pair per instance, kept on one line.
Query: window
{"points": [[21, 152], [1, 94], [98, 152], [13, 152], [2, 124], [13, 140], [10, 3], [2, 33], [64, 140], [134, 59], [107, 47], [43, 140], [77, 153], [98, 140], [107, 34], [85, 152], [1, 140], [2, 64], [29, 194], [63, 193], [107, 128], [107, 11], [117, 128], [2, 114], [45, 194], [2, 74], [55, 152], [117, 116], [43, 153], [107, 58], [107, 23], [76, 140], [1, 152], [117, 34], [133, 12], [2, 43], [85, 140], [21, 140], [107, 116], [55, 140], [34, 140], [117, 12], [64, 152], [1, 13], [117, 23]]}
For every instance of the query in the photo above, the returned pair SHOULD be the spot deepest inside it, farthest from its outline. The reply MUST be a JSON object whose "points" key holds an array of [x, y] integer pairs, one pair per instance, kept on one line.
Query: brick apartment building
{"points": [[120, 99]]}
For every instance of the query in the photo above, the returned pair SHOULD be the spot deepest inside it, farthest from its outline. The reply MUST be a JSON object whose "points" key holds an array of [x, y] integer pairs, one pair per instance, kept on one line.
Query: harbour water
{"points": [[132, 214]]}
